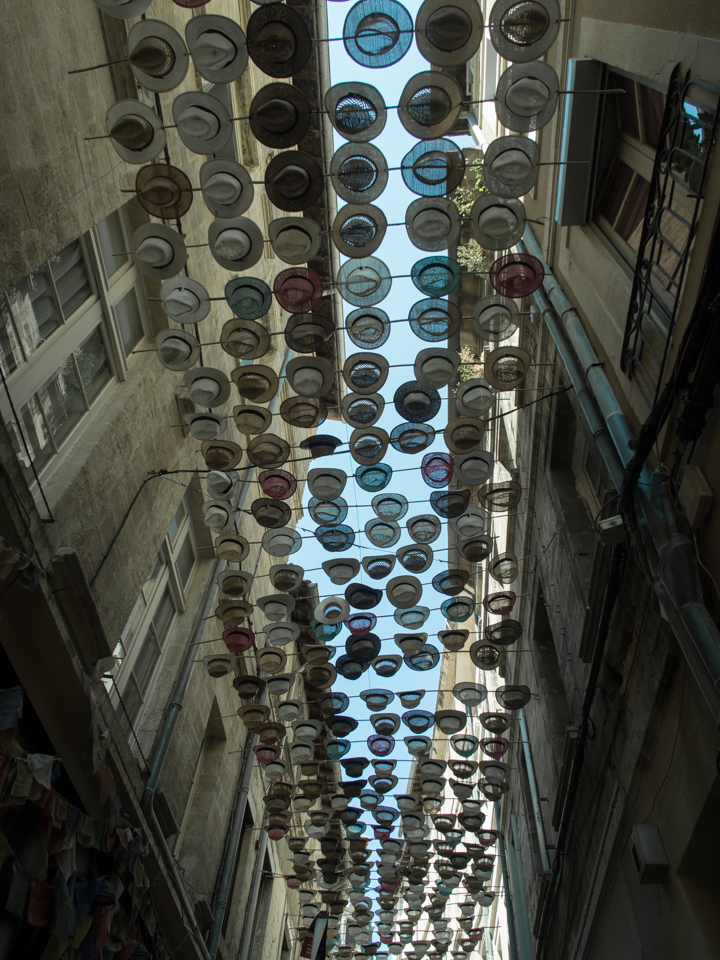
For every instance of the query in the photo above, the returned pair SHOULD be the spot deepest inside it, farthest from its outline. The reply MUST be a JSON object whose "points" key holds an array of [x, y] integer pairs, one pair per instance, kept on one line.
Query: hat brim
{"points": [[350, 398], [449, 58], [182, 335], [248, 227], [211, 373], [124, 11], [279, 13], [424, 355], [235, 451], [497, 300], [195, 28], [186, 283], [444, 82], [227, 210], [267, 372], [433, 185], [357, 436], [521, 53], [370, 152], [520, 71], [257, 329], [174, 211], [205, 101], [375, 358], [175, 76], [506, 189], [359, 211], [167, 234], [308, 226], [344, 91], [351, 282], [273, 173], [294, 96], [498, 354], [318, 363], [136, 108], [429, 242]]}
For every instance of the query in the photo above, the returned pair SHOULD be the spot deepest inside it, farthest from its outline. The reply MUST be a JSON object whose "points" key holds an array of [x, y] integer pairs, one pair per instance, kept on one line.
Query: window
{"points": [[153, 621], [78, 318]]}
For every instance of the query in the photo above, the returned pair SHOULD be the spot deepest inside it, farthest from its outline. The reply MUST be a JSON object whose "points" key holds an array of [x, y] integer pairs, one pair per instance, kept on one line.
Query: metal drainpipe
{"points": [[506, 884], [524, 937], [539, 825], [250, 910]]}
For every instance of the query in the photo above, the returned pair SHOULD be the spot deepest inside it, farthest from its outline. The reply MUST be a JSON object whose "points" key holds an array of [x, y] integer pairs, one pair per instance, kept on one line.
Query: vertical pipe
{"points": [[249, 926], [539, 825], [506, 885], [519, 902]]}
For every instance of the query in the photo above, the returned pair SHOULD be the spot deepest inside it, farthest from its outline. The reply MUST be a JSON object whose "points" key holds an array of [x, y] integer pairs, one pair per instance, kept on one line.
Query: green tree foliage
{"points": [[470, 255]]}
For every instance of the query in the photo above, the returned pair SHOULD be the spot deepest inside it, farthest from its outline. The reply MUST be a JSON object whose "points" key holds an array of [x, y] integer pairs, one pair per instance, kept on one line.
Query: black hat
{"points": [[278, 40], [293, 180], [280, 115]]}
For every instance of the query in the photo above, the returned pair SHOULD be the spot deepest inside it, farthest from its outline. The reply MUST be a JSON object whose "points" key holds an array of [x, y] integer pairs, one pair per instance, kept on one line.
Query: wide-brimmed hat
{"points": [[404, 591], [157, 55], [164, 191], [368, 445], [221, 454], [305, 412], [123, 9], [177, 349], [472, 522], [236, 243], [356, 110], [436, 367], [358, 230], [227, 188], [434, 319], [464, 434], [159, 251], [448, 34], [281, 542], [295, 239], [432, 223], [248, 297], [377, 33], [298, 289], [257, 382], [412, 437], [365, 373], [527, 96], [285, 576], [232, 547], [435, 276], [235, 583], [326, 483], [185, 300], [341, 570], [310, 376], [424, 528], [430, 104], [135, 131], [218, 48], [307, 332], [516, 275], [321, 445], [205, 426], [382, 532], [506, 367], [519, 35], [218, 515], [368, 327], [252, 420], [202, 121], [221, 485], [495, 318], [474, 397], [473, 468], [415, 557], [415, 402], [510, 166], [497, 224], [294, 180], [277, 606], [359, 172], [244, 339], [278, 40], [361, 410], [268, 451], [364, 282], [280, 115], [207, 387], [433, 168]]}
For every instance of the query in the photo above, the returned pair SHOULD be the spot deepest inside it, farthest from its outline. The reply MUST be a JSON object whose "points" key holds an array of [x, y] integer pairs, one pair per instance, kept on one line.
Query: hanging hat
{"points": [[271, 513], [280, 634], [235, 583], [332, 610], [450, 582], [474, 397], [497, 224], [363, 649], [248, 297], [298, 290], [424, 529], [506, 367], [430, 104], [359, 173], [377, 33], [236, 243], [436, 469], [412, 437], [358, 230], [381, 532], [473, 522], [268, 451], [427, 659], [377, 568], [436, 276], [252, 420], [289, 710], [227, 188], [433, 168], [432, 223], [448, 34], [271, 660], [218, 515], [527, 96], [464, 434], [218, 48], [389, 506], [202, 121], [341, 570], [364, 282], [279, 115], [258, 383], [157, 55], [361, 596], [305, 412], [207, 387], [368, 327], [356, 110], [523, 34], [495, 318], [328, 512], [504, 633], [278, 40], [219, 665], [458, 609], [123, 9], [177, 349], [415, 558], [326, 484], [286, 576], [436, 367], [164, 191], [295, 239], [415, 402], [476, 549], [310, 376], [222, 486], [434, 319], [453, 640], [474, 468], [307, 332], [510, 166], [281, 542], [294, 180], [418, 720], [233, 612], [232, 547], [362, 411], [184, 300], [135, 131], [368, 445], [159, 252], [335, 538], [205, 426], [278, 484], [404, 592], [244, 339], [365, 373], [373, 478]]}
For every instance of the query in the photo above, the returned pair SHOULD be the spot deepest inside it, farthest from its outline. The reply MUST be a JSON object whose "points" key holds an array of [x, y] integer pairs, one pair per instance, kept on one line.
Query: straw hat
{"points": [[248, 297], [232, 547], [424, 528], [365, 373], [365, 21], [506, 367], [277, 484], [271, 660], [123, 9], [361, 596], [158, 251], [184, 300], [233, 612], [364, 282], [207, 387], [222, 486], [295, 239], [298, 289], [244, 339], [448, 34], [332, 610], [434, 319], [257, 382], [415, 402], [202, 121], [205, 426], [321, 445], [157, 55], [236, 243], [177, 349], [286, 576], [497, 224], [404, 592], [310, 376], [217, 46], [359, 172], [436, 367], [360, 410], [474, 397], [164, 191], [527, 96], [415, 557], [278, 40], [252, 420], [510, 166], [432, 223], [135, 131], [495, 318], [235, 583], [341, 570], [433, 168], [221, 454], [499, 497], [430, 104], [435, 276], [281, 542], [472, 522], [474, 468], [356, 110], [218, 515], [412, 437], [279, 115], [326, 483], [268, 451], [227, 188], [280, 634], [294, 180], [368, 445], [449, 503], [476, 548], [358, 230], [377, 568], [381, 532], [523, 35]]}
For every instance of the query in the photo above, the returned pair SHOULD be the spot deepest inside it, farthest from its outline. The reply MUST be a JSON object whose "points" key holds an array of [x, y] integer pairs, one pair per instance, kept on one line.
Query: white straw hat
{"points": [[227, 187], [177, 349], [474, 468], [326, 484], [510, 166], [276, 606], [218, 515], [281, 542], [474, 397], [207, 386], [432, 223], [448, 32], [205, 426], [236, 243], [157, 55], [527, 96], [159, 251], [497, 224], [495, 318], [222, 485], [184, 300], [202, 121], [135, 131], [523, 34], [310, 376], [430, 104], [341, 570], [218, 48], [436, 367]]}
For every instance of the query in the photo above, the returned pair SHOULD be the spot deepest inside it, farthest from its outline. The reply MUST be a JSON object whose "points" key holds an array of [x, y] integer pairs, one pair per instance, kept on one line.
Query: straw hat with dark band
{"points": [[157, 55], [358, 230], [184, 300], [278, 40], [430, 104], [202, 121], [523, 33], [135, 131], [218, 48], [279, 115], [356, 110], [236, 243], [164, 191], [527, 96], [359, 172], [227, 188], [159, 251], [510, 166], [448, 32], [177, 349]]}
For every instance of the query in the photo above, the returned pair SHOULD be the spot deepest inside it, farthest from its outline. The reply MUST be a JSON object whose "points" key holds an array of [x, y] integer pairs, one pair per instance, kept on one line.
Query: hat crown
{"points": [[204, 390], [429, 105], [233, 244], [527, 96], [277, 115], [213, 50], [292, 182], [448, 28], [223, 188], [198, 123], [153, 56], [354, 114], [132, 132], [525, 23], [276, 42], [432, 224], [155, 251], [357, 173], [175, 350], [512, 165]]}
